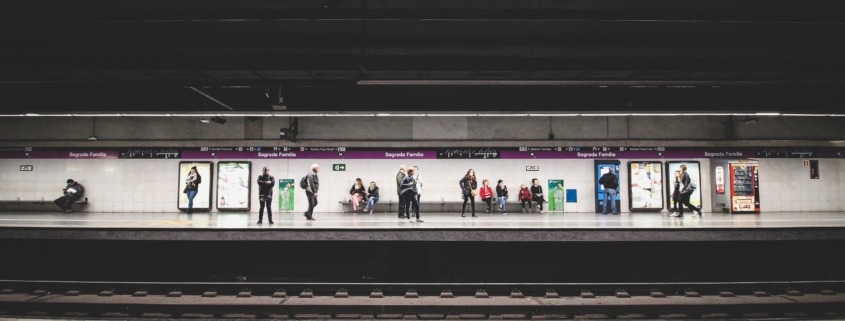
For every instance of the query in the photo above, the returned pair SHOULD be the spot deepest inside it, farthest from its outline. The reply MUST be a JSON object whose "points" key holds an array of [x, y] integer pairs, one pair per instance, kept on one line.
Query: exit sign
{"points": [[532, 168], [26, 168], [339, 167]]}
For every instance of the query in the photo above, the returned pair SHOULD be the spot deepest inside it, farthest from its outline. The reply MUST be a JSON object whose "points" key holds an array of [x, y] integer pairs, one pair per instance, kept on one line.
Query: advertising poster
{"points": [[694, 171], [233, 185], [287, 189], [202, 201], [602, 167], [720, 180], [645, 185], [556, 193]]}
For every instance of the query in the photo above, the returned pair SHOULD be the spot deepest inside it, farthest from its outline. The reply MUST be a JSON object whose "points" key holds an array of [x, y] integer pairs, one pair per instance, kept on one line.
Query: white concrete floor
{"points": [[347, 221]]}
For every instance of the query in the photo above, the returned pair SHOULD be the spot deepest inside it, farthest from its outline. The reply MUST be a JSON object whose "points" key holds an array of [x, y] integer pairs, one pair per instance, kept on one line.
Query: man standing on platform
{"points": [[72, 192], [266, 183], [610, 182], [312, 186], [399, 177]]}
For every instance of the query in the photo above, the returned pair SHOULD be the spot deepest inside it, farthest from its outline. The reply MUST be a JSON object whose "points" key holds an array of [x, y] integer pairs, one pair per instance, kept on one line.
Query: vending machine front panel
{"points": [[745, 188]]}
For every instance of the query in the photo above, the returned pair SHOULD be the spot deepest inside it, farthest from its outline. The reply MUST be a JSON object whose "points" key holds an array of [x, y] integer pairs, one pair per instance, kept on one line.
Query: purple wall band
{"points": [[79, 154], [411, 154]]}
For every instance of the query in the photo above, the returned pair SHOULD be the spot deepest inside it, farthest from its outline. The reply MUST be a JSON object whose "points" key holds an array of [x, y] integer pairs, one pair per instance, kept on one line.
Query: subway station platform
{"points": [[495, 227]]}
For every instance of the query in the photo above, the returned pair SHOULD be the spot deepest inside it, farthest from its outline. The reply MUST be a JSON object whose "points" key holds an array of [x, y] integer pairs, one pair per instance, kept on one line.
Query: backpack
{"points": [[303, 183]]}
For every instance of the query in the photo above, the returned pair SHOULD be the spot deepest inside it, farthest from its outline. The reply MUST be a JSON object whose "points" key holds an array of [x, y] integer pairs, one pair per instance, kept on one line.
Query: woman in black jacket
{"points": [[686, 191], [408, 189], [537, 194], [191, 187], [357, 194], [468, 186], [676, 193]]}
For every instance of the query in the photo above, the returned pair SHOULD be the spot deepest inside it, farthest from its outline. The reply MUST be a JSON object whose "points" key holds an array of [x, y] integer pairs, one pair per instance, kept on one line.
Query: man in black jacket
{"points": [[610, 183], [72, 192], [266, 182]]}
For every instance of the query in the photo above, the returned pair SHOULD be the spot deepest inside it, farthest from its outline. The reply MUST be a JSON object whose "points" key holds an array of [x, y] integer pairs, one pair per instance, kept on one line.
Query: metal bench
{"points": [[17, 205], [82, 201], [441, 206]]}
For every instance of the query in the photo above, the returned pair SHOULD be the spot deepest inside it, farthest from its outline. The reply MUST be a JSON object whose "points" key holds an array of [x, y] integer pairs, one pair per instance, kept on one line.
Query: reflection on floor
{"points": [[509, 221]]}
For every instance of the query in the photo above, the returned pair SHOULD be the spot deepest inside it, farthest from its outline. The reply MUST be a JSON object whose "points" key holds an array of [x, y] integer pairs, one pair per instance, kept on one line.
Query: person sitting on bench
{"points": [[73, 192]]}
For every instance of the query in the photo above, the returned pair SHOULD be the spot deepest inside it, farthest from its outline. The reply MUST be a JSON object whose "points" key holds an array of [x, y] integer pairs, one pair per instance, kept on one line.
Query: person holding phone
{"points": [[72, 192], [192, 183], [266, 183], [468, 184], [537, 194]]}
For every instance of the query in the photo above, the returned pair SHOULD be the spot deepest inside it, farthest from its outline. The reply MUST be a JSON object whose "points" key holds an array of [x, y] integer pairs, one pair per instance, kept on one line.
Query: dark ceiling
{"points": [[105, 55]]}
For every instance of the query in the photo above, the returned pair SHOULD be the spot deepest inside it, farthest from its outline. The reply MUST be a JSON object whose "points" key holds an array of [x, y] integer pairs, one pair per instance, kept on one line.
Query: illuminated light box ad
{"points": [[556, 202], [694, 172], [287, 190], [645, 186], [202, 201], [233, 185], [602, 167]]}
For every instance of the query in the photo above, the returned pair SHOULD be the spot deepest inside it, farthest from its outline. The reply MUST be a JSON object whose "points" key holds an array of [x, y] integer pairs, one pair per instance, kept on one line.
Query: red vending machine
{"points": [[744, 187]]}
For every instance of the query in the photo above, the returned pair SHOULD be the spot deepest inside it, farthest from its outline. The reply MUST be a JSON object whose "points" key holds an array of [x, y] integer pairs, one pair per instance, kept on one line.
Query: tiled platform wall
{"points": [[154, 185]]}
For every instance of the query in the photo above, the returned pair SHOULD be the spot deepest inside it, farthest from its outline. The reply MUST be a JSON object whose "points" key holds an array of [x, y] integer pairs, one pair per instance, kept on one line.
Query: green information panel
{"points": [[286, 192], [556, 194]]}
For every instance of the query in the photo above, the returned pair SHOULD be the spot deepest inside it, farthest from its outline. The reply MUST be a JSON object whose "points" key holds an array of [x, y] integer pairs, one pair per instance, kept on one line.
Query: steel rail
{"points": [[782, 299], [400, 289]]}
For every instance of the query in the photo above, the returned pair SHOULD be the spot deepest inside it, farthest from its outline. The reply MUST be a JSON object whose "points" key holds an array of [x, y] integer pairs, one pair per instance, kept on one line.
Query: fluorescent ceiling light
{"points": [[148, 115], [248, 115], [500, 115], [666, 114], [351, 114], [767, 114], [806, 115], [32, 114], [554, 115], [602, 115], [299, 115], [97, 115], [452, 115], [706, 114], [399, 115], [197, 115]]}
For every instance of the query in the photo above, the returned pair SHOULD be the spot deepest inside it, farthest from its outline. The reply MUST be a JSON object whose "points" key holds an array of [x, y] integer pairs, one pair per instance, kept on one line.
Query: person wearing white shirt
{"points": [[646, 182]]}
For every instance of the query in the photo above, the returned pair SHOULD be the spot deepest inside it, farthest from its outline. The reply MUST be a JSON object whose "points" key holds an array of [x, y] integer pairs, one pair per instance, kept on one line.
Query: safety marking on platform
{"points": [[174, 222]]}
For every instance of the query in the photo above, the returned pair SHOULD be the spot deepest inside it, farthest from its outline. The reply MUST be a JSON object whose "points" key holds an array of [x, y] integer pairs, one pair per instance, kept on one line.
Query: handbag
{"points": [[409, 189], [474, 192], [185, 190]]}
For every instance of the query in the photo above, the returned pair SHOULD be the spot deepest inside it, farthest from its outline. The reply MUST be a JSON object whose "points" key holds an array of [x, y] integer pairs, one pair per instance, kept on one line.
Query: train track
{"points": [[536, 301]]}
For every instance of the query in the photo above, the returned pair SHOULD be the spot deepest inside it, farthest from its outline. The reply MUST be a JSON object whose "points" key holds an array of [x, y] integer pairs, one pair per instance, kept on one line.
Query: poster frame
{"points": [[663, 167], [248, 184], [596, 185], [669, 178], [280, 198], [562, 205], [181, 186]]}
